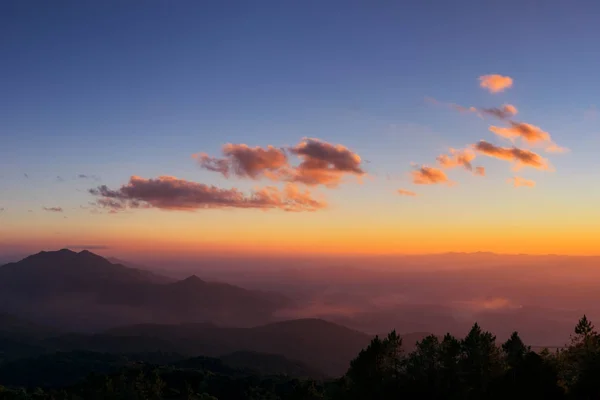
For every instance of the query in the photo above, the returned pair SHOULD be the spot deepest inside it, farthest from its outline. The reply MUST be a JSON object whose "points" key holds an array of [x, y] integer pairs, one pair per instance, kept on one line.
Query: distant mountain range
{"points": [[79, 301], [84, 291]]}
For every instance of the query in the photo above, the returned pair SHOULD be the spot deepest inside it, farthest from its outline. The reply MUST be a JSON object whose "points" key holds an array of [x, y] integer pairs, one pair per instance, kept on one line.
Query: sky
{"points": [[288, 127]]}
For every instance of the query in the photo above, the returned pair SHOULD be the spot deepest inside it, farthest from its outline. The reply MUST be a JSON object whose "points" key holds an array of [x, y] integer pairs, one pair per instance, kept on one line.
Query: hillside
{"points": [[323, 345]]}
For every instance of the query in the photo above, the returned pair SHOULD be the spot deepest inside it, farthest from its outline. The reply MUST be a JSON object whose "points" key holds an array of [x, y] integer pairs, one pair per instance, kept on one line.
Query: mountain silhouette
{"points": [[84, 291]]}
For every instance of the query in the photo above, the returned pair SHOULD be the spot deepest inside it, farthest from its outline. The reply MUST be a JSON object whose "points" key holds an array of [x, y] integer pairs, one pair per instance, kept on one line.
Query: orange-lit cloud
{"points": [[520, 156], [457, 158], [463, 109], [324, 163], [170, 193], [504, 112], [53, 209], [517, 181], [480, 171], [529, 133], [321, 163], [404, 192], [244, 161], [495, 83], [425, 175]]}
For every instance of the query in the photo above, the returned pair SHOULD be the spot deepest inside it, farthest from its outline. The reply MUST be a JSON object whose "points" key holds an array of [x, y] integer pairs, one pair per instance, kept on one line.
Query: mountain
{"points": [[84, 291], [322, 345], [270, 364]]}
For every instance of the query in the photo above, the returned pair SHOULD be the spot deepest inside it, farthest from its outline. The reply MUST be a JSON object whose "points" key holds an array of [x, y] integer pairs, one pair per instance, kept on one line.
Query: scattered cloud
{"points": [[26, 176], [527, 132], [457, 158], [170, 193], [324, 163], [245, 162], [517, 181], [404, 192], [53, 209], [463, 109], [480, 171], [85, 176], [495, 83], [1, 209], [321, 163], [59, 179], [503, 112], [424, 175], [519, 156]]}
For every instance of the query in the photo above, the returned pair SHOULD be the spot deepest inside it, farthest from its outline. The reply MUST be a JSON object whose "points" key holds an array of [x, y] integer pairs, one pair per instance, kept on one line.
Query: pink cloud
{"points": [[495, 83], [425, 175], [504, 112], [324, 163], [404, 192], [457, 158], [519, 156], [529, 133], [170, 193], [517, 181], [244, 161]]}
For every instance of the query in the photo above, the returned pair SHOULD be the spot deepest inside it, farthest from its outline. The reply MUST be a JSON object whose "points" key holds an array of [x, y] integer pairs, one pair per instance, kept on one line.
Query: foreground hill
{"points": [[320, 344], [84, 291]]}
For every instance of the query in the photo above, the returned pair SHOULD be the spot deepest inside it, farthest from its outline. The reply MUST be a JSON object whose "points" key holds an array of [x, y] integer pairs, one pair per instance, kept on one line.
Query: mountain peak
{"points": [[192, 279]]}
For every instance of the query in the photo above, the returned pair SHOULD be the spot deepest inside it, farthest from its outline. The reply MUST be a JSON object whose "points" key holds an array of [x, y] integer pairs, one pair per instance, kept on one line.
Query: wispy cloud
{"points": [[85, 176], [404, 192], [53, 209], [529, 133], [503, 112], [170, 193], [517, 181], [457, 158], [495, 83], [480, 171], [26, 176], [520, 157], [424, 175]]}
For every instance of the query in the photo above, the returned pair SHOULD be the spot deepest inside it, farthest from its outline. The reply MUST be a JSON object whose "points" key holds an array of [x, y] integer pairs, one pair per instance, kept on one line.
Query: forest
{"points": [[474, 367]]}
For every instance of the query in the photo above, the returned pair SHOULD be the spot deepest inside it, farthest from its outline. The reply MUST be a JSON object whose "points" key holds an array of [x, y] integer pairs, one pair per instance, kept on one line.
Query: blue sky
{"points": [[114, 89]]}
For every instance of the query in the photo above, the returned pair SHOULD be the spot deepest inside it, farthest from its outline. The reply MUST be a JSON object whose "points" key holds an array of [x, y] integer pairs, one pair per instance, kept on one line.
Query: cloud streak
{"points": [[521, 157], [457, 158], [495, 83], [53, 209], [404, 192], [170, 193], [425, 175], [517, 181], [504, 112]]}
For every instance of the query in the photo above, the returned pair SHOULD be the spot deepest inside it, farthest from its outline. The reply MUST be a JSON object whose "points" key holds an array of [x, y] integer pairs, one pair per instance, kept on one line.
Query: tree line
{"points": [[474, 367]]}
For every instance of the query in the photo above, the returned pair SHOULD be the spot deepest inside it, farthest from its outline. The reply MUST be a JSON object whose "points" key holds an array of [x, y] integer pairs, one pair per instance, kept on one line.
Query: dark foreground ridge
{"points": [[474, 367]]}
